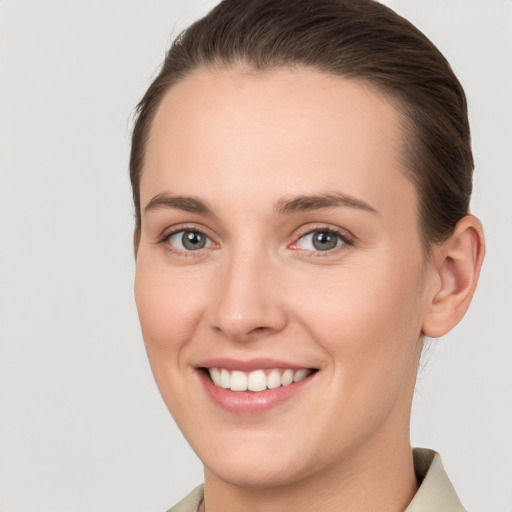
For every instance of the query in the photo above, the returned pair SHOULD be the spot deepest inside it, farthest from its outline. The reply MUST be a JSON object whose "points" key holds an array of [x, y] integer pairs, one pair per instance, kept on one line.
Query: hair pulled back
{"points": [[358, 39]]}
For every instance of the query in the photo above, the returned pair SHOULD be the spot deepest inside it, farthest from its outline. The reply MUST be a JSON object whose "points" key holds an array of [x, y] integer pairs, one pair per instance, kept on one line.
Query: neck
{"points": [[374, 479]]}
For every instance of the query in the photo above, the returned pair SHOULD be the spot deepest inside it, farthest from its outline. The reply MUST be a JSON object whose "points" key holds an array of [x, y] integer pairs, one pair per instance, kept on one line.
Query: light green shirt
{"points": [[435, 494]]}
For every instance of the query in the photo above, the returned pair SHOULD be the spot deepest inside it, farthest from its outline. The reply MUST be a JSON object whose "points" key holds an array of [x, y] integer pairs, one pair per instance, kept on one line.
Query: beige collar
{"points": [[436, 492]]}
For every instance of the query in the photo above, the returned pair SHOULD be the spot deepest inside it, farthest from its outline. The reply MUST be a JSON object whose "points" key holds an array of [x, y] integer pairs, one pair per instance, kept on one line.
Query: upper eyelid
{"points": [[172, 230], [343, 233]]}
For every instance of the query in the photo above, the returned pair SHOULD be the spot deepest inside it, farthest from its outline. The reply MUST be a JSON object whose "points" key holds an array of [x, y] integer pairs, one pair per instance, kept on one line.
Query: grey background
{"points": [[82, 427]]}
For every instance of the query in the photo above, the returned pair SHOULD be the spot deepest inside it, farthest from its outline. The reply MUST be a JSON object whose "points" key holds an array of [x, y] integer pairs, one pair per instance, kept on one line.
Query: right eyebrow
{"points": [[186, 203]]}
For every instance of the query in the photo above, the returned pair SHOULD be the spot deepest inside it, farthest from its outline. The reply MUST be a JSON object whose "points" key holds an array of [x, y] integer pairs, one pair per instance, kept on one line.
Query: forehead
{"points": [[218, 130]]}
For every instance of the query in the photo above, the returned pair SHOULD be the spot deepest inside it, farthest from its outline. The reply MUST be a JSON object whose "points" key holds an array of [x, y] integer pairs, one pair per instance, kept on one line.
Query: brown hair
{"points": [[358, 39]]}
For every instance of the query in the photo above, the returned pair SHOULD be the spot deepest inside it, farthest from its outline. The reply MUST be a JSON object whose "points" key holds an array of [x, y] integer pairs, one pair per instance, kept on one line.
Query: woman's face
{"points": [[279, 240]]}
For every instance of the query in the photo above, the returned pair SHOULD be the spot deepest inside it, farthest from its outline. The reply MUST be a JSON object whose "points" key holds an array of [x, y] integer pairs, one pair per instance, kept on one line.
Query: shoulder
{"points": [[191, 502]]}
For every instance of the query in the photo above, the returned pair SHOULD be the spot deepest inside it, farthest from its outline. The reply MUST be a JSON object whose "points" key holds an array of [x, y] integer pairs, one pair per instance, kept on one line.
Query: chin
{"points": [[258, 459], [256, 474]]}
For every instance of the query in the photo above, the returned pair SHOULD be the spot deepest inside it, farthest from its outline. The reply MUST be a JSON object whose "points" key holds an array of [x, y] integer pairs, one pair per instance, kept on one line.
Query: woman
{"points": [[301, 176]]}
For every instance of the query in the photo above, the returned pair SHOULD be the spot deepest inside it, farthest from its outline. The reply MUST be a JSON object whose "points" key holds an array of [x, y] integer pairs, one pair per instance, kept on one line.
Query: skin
{"points": [[242, 141]]}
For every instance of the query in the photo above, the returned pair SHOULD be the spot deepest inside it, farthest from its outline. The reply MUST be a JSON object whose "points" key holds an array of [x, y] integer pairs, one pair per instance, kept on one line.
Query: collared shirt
{"points": [[435, 494]]}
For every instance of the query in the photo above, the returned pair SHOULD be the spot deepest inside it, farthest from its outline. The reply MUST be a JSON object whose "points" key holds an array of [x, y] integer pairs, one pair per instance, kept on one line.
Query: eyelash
{"points": [[346, 240], [165, 239]]}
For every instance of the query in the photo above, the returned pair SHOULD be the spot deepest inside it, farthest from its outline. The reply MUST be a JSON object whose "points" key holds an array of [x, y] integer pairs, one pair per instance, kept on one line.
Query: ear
{"points": [[457, 263]]}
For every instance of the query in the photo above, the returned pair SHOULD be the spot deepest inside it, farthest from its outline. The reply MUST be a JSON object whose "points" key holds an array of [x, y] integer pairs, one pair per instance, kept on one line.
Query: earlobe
{"points": [[457, 266]]}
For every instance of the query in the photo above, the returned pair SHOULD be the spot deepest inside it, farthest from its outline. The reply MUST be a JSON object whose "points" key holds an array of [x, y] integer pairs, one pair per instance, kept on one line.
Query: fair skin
{"points": [[337, 285]]}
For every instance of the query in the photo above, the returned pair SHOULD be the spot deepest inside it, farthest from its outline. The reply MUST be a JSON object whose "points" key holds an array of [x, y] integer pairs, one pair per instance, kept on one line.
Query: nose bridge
{"points": [[247, 301]]}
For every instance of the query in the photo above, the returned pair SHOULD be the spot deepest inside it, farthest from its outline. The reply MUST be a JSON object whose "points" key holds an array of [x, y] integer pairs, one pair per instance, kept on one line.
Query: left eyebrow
{"points": [[304, 203]]}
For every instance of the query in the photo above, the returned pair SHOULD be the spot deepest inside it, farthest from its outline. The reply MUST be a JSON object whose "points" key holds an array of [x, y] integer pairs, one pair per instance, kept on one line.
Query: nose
{"points": [[247, 304]]}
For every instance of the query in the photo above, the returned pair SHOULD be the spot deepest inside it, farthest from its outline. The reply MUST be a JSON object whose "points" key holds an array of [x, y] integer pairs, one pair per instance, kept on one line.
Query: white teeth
{"points": [[300, 374], [258, 380], [215, 375], [273, 379], [225, 379], [238, 381], [287, 377]]}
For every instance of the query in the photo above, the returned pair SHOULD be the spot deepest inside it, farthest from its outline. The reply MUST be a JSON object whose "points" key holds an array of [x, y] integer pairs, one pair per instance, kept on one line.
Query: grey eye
{"points": [[321, 240], [189, 240]]}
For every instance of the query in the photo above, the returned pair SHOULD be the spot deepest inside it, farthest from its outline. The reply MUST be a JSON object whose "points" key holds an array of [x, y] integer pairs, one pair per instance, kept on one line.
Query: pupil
{"points": [[324, 241], [193, 240]]}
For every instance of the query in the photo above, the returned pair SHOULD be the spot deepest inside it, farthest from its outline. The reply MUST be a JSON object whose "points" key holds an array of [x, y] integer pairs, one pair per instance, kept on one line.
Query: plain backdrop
{"points": [[82, 426]]}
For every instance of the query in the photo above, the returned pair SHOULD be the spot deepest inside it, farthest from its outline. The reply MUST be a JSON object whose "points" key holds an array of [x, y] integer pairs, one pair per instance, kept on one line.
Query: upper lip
{"points": [[249, 365]]}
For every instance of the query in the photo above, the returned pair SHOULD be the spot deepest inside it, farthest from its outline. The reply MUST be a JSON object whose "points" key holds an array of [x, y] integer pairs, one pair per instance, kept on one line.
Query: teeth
{"points": [[225, 379], [238, 381], [258, 380], [215, 375], [287, 377], [273, 379], [300, 374]]}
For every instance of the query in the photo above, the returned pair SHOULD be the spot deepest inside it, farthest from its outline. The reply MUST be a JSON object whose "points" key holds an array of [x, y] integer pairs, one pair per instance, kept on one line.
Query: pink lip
{"points": [[247, 366], [249, 402]]}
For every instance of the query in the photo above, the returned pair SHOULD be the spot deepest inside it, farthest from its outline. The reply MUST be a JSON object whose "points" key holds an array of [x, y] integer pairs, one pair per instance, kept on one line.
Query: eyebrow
{"points": [[186, 203], [304, 203], [284, 206]]}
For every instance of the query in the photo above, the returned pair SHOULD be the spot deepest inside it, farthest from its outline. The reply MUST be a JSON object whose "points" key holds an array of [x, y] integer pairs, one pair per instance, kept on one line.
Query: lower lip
{"points": [[250, 402]]}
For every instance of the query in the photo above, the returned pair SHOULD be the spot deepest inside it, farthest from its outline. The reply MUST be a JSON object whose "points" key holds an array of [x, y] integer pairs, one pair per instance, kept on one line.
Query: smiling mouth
{"points": [[257, 380]]}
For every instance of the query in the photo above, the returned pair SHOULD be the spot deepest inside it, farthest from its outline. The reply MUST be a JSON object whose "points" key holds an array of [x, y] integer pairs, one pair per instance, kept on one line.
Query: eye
{"points": [[189, 240], [320, 240]]}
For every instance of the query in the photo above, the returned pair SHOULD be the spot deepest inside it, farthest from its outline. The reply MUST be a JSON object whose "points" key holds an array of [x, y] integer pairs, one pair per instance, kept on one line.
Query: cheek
{"points": [[169, 310], [367, 317]]}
